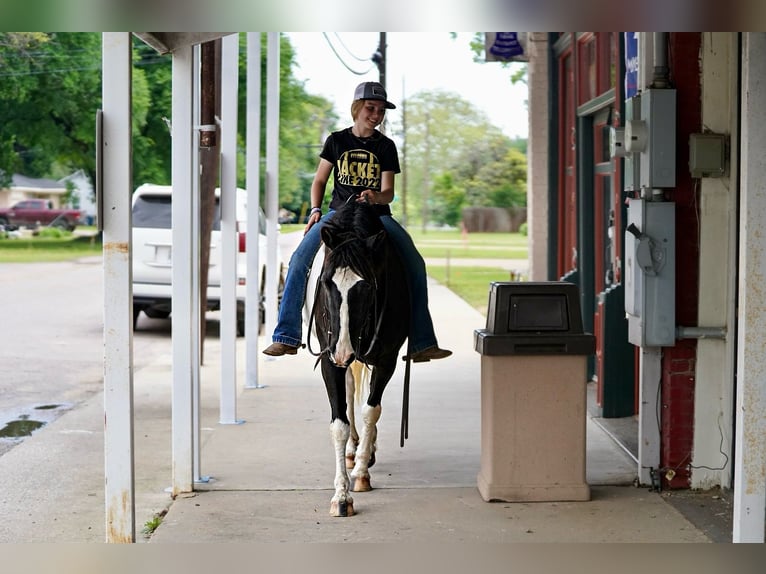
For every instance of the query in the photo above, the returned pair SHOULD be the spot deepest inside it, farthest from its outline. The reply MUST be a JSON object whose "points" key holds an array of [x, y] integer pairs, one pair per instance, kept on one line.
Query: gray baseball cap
{"points": [[372, 91]]}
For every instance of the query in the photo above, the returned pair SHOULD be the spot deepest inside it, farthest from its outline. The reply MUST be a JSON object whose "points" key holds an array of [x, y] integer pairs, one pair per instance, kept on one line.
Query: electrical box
{"points": [[653, 137], [650, 274], [707, 155]]}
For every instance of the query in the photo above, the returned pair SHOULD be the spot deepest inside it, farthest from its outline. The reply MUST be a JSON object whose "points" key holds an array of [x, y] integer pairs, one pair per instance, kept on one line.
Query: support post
{"points": [[116, 177], [230, 78]]}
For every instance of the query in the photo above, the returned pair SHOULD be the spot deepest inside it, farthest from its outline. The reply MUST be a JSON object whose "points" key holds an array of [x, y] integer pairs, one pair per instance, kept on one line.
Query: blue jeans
{"points": [[290, 320]]}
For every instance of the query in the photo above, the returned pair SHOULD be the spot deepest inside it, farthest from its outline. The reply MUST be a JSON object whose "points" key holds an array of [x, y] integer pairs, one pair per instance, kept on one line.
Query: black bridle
{"points": [[377, 313]]}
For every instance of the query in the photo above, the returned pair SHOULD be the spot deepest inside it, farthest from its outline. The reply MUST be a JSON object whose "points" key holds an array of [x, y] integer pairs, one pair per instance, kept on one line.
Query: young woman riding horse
{"points": [[363, 162]]}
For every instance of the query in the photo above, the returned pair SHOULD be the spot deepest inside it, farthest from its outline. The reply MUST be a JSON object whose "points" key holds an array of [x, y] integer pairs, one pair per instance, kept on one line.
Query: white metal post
{"points": [[116, 152], [228, 336], [182, 316], [272, 177], [253, 167], [750, 451], [197, 316]]}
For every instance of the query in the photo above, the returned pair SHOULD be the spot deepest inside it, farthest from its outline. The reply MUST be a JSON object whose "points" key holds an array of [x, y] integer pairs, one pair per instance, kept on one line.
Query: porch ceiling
{"points": [[166, 42]]}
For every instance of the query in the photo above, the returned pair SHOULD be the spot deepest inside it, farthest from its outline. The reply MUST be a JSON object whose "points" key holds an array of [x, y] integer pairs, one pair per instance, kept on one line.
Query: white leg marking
{"points": [[344, 279], [370, 417], [339, 432]]}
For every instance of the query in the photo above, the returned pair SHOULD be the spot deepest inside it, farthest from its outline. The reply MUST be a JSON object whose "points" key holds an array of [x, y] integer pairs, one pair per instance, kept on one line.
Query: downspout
{"points": [[661, 77], [553, 159]]}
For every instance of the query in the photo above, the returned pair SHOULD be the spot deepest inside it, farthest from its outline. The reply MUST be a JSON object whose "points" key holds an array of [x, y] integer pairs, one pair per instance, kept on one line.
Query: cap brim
{"points": [[389, 105]]}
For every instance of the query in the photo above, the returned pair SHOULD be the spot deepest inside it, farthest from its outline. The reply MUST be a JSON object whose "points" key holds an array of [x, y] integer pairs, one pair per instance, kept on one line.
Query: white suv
{"points": [[152, 247]]}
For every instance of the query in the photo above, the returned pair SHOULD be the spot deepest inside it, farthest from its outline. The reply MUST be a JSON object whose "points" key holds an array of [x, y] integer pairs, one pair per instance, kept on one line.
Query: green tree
{"points": [[49, 107], [304, 121], [52, 83], [456, 157], [152, 110], [450, 199]]}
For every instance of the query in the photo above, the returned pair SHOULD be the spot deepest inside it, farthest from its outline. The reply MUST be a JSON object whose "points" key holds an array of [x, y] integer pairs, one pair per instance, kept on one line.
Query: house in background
{"points": [[83, 197], [23, 187]]}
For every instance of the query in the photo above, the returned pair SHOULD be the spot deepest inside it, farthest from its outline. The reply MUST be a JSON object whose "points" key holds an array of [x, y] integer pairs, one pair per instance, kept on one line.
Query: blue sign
{"points": [[631, 64], [506, 46]]}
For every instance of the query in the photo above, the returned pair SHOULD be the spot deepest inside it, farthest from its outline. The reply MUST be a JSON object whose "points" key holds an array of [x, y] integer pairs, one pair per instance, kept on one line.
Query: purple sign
{"points": [[506, 45]]}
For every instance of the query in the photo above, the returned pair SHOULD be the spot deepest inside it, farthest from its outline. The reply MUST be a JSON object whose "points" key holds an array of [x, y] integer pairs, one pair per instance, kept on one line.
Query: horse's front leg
{"points": [[341, 503], [361, 474], [365, 452], [353, 377]]}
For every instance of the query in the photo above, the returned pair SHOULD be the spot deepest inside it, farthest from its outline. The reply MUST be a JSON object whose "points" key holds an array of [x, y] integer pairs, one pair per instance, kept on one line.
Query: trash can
{"points": [[533, 393]]}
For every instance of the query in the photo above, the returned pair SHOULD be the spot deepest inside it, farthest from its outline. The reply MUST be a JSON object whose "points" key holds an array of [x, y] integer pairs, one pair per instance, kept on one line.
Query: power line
{"points": [[340, 58], [357, 58]]}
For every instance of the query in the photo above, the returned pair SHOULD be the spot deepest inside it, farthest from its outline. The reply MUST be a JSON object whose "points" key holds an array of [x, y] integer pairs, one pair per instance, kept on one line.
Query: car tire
{"points": [[156, 313]]}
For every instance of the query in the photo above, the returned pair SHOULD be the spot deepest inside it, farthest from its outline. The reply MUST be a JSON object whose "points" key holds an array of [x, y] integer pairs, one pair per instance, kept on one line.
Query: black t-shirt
{"points": [[358, 164]]}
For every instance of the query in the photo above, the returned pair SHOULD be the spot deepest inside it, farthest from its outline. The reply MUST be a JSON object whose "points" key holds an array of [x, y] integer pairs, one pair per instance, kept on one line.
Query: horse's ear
{"points": [[328, 238]]}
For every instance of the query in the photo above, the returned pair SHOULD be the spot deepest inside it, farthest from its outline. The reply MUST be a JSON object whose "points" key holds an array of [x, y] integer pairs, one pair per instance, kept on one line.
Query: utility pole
{"points": [[379, 58]]}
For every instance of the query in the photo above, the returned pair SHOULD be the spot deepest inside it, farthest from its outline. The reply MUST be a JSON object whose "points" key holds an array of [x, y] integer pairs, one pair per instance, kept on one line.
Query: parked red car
{"points": [[35, 212]]}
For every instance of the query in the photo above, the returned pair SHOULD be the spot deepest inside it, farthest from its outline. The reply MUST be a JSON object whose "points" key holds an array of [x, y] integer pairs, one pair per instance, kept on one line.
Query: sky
{"points": [[416, 61]]}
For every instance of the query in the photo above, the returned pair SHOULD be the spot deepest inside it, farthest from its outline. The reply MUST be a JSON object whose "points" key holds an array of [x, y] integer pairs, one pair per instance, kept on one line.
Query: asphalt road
{"points": [[51, 341]]}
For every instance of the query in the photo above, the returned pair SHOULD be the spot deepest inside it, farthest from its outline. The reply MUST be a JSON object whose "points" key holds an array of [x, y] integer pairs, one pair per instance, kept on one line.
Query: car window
{"points": [[155, 211]]}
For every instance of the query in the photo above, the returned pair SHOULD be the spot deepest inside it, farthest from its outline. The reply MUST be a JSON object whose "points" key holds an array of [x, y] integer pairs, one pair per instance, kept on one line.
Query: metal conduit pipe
{"points": [[660, 56], [700, 332]]}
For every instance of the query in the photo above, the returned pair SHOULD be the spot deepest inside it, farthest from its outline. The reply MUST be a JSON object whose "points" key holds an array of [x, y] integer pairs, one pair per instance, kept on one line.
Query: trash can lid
{"points": [[487, 343], [534, 307]]}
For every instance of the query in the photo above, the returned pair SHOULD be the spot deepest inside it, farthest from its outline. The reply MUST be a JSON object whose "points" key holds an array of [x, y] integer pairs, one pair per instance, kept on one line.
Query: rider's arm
{"points": [[322, 175], [386, 193]]}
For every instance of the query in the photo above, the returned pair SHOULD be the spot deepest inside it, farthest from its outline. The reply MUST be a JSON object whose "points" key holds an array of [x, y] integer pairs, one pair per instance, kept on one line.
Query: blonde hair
{"points": [[356, 105]]}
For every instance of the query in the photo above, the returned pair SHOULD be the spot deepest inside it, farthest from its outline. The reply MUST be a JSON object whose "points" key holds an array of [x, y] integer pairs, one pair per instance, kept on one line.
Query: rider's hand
{"points": [[313, 218], [367, 196]]}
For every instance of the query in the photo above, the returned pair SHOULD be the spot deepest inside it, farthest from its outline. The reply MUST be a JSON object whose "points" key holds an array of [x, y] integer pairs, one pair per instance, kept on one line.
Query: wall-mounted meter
{"points": [[617, 142], [650, 273]]}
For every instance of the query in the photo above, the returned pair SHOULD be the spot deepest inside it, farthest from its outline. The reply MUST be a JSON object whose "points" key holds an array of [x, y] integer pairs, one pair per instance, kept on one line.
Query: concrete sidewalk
{"points": [[270, 478]]}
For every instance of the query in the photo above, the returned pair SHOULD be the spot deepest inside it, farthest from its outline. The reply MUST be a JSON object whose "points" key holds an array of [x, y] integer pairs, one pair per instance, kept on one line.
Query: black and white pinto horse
{"points": [[361, 317]]}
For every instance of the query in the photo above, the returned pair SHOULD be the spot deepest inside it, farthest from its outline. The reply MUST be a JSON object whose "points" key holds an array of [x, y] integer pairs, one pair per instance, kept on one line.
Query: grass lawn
{"points": [[46, 250], [470, 283]]}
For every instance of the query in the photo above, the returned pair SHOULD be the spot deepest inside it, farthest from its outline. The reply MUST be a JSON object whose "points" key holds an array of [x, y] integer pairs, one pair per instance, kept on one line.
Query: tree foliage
{"points": [[51, 90], [50, 85], [455, 158], [304, 121]]}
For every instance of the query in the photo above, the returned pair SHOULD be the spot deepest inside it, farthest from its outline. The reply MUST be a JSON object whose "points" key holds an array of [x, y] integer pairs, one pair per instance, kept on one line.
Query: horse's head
{"points": [[349, 282]]}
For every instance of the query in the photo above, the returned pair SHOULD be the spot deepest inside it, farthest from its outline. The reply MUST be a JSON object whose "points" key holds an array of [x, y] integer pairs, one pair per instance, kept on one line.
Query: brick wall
{"points": [[679, 362]]}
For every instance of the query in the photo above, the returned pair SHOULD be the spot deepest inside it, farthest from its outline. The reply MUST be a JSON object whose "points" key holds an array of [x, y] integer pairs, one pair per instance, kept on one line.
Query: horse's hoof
{"points": [[349, 461], [362, 484], [341, 509]]}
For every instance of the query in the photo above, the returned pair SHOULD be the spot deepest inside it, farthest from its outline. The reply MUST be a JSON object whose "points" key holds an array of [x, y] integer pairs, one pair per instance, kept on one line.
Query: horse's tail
{"points": [[361, 374]]}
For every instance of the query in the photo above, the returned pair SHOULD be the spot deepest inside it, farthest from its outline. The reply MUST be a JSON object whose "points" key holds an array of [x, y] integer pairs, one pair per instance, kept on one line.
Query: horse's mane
{"points": [[346, 234]]}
